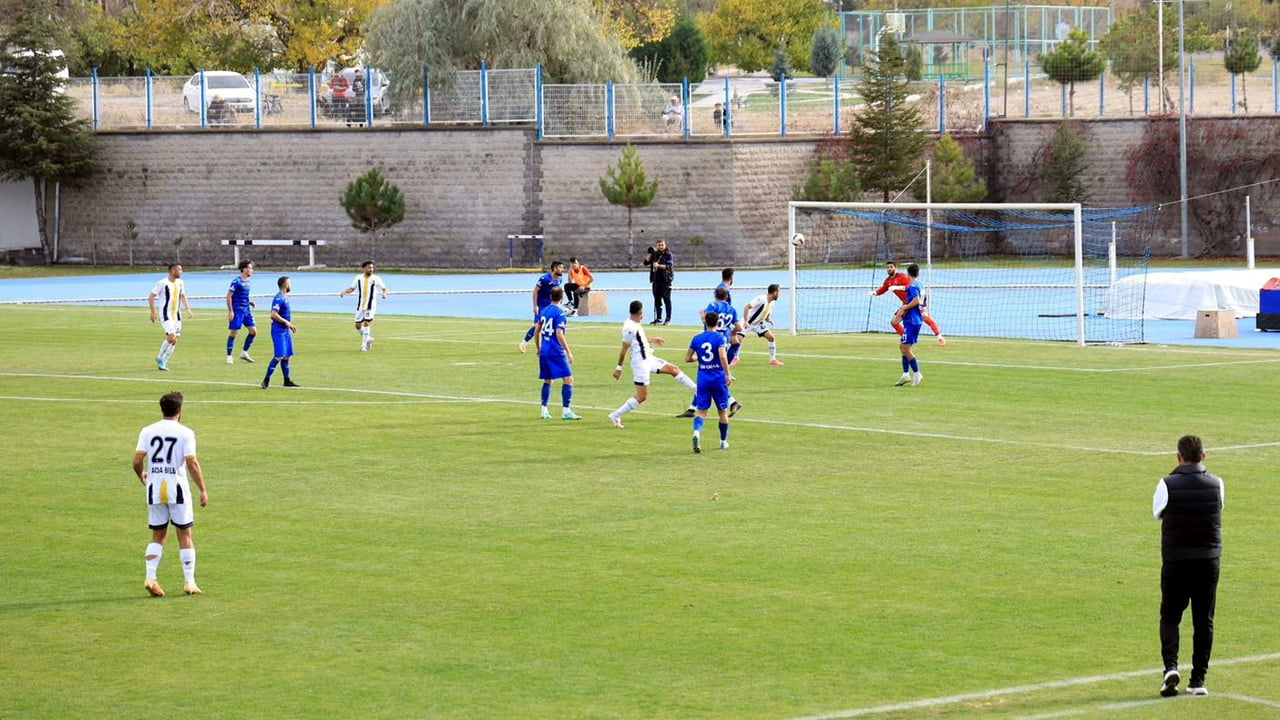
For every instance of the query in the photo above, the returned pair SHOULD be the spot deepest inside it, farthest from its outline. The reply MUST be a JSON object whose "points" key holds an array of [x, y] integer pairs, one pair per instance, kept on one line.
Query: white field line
{"points": [[1248, 699], [760, 421], [1022, 690], [1097, 708], [241, 402]]}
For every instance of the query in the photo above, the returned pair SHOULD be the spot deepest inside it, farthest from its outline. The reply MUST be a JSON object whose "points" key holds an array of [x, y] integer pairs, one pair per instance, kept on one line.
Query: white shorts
{"points": [[171, 327], [759, 328], [642, 369], [363, 315], [159, 516]]}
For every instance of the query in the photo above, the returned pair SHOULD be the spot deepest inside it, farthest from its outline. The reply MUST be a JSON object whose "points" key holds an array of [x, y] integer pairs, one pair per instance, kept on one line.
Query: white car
{"points": [[230, 86]]}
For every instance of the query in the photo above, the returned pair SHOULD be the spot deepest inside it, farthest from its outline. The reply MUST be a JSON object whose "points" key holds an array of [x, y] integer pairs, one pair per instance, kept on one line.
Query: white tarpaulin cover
{"points": [[1179, 295]]}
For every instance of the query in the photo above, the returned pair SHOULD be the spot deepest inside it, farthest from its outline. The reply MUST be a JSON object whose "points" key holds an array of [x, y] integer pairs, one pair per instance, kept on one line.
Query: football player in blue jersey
{"points": [[554, 356], [282, 330], [240, 313], [910, 317], [731, 328], [708, 349], [542, 298]]}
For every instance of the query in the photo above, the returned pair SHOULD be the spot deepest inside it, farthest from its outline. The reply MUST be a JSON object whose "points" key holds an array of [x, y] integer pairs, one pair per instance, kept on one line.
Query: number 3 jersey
{"points": [[167, 445]]}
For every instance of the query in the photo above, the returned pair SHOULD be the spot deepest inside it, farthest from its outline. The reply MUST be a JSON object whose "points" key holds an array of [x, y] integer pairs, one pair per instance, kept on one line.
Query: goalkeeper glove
{"points": [[871, 294]]}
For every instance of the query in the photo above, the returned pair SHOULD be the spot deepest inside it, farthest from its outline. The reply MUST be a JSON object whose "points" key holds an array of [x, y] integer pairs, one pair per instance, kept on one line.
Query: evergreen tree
{"points": [[1243, 57], [954, 178], [781, 66], [914, 63], [1065, 166], [1071, 62], [833, 175], [373, 204], [827, 52], [42, 137], [626, 184], [680, 55], [887, 142], [1131, 47]]}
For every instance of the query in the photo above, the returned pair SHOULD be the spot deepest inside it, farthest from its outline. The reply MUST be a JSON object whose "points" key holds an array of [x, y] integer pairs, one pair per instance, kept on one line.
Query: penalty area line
{"points": [[1022, 690], [27, 398]]}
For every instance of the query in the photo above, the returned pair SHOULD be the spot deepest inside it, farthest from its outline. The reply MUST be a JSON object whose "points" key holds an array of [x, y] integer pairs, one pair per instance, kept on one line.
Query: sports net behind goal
{"points": [[988, 270]]}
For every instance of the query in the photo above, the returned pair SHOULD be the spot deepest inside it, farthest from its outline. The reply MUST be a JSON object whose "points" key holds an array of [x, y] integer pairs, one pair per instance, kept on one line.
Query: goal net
{"points": [[1040, 271]]}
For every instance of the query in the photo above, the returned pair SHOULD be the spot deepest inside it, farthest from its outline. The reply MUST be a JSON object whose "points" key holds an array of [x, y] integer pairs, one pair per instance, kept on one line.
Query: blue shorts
{"points": [[910, 334], [554, 367], [241, 318], [713, 390], [282, 341]]}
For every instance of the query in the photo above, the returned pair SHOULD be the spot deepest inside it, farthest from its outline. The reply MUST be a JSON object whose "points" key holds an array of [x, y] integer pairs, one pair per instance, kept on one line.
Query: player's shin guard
{"points": [[906, 364], [915, 366], [687, 381], [628, 406], [164, 348], [773, 351], [284, 368], [897, 327], [154, 553], [566, 395], [248, 341], [698, 422], [724, 432], [529, 335], [231, 344], [733, 351], [271, 367], [168, 351], [546, 394], [188, 556], [932, 325]]}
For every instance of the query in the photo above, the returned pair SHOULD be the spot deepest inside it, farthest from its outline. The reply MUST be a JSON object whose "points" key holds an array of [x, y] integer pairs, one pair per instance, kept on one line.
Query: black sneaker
{"points": [[266, 384], [734, 407], [1196, 686], [697, 445], [687, 413], [290, 383], [666, 322], [1169, 687], [656, 321]]}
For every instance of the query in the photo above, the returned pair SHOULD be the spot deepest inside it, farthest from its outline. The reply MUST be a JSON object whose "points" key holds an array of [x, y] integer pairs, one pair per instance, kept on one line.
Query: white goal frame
{"points": [[1075, 208]]}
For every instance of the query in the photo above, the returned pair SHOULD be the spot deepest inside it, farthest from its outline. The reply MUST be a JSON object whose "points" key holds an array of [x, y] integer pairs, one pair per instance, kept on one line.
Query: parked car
{"points": [[232, 87]]}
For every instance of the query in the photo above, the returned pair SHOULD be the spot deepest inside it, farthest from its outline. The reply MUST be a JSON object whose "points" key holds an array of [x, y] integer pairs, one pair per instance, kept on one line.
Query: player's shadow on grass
{"points": [[22, 606]]}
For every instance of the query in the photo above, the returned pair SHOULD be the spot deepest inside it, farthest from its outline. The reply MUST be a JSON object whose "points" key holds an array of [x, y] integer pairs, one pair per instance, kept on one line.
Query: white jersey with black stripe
{"points": [[759, 311], [633, 332], [168, 292], [167, 445]]}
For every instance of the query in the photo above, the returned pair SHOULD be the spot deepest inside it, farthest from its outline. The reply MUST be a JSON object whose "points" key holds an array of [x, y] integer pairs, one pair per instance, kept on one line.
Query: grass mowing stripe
{"points": [[1074, 712]]}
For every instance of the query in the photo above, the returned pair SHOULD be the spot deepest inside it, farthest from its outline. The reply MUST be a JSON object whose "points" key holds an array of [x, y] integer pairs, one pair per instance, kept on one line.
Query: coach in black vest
{"points": [[1189, 503]]}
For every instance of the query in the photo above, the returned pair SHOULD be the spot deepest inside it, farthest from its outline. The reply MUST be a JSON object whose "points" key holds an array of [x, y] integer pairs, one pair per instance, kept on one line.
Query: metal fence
{"points": [[717, 108]]}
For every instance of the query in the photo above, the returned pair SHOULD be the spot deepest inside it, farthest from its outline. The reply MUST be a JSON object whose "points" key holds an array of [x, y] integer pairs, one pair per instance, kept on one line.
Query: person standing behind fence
{"points": [[580, 279], [662, 270], [1188, 502]]}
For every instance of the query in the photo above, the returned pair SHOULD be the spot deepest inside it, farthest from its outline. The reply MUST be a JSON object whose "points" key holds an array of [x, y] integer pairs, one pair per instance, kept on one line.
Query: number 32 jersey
{"points": [[167, 445]]}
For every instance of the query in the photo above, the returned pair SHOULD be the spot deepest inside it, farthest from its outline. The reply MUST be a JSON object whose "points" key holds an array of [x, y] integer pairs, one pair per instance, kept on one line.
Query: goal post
{"points": [[1045, 271]]}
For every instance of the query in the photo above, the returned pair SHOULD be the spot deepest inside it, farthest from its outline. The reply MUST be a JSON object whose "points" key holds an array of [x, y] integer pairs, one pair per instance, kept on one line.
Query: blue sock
{"points": [[271, 367], [915, 365], [698, 422], [231, 344], [284, 367], [248, 342], [906, 364], [734, 350], [566, 395], [529, 335], [724, 432], [546, 394]]}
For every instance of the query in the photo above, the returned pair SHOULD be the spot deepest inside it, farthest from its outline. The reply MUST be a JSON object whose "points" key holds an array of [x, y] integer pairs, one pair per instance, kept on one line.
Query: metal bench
{"points": [[310, 244]]}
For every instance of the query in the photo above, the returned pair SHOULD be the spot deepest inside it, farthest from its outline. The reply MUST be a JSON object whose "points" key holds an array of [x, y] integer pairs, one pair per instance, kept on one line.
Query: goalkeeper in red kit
{"points": [[898, 282]]}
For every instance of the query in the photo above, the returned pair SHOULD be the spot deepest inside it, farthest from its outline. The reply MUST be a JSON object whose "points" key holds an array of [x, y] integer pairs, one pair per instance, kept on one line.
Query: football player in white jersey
{"points": [[166, 453], [643, 362], [758, 318], [172, 294], [368, 286]]}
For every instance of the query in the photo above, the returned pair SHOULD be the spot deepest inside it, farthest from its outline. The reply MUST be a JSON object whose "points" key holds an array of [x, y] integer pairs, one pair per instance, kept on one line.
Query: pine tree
{"points": [[626, 184], [1242, 58], [1071, 62], [827, 52], [887, 142], [954, 178], [833, 175], [781, 66], [373, 204], [42, 137], [1065, 166]]}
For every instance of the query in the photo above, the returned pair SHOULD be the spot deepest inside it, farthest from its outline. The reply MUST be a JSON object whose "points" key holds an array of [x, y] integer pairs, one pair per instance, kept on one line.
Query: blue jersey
{"points": [[728, 316], [706, 346], [552, 318], [545, 285], [240, 294], [280, 306], [913, 316], [728, 292]]}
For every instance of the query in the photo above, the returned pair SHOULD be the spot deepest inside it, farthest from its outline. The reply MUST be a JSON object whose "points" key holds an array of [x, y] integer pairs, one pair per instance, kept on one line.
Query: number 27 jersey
{"points": [[167, 445]]}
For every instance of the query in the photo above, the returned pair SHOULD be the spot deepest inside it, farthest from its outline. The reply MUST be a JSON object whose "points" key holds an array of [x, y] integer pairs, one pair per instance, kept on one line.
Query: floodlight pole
{"points": [[928, 223], [1182, 126], [1160, 51]]}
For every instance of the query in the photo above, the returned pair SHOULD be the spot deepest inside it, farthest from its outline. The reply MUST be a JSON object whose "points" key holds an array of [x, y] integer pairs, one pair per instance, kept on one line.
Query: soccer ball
{"points": [[797, 239]]}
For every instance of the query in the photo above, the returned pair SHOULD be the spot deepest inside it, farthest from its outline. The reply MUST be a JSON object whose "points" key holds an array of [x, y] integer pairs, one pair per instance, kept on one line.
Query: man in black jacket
{"points": [[1189, 503], [662, 271]]}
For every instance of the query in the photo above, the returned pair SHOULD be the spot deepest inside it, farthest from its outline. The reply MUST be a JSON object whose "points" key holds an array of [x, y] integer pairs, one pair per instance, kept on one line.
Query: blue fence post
{"points": [[150, 113], [1102, 95], [836, 86], [1233, 93], [782, 104], [257, 90], [311, 95], [942, 105], [426, 97], [484, 94], [1192, 83], [1275, 85], [986, 95], [1026, 88], [608, 109], [726, 118], [204, 102], [538, 111], [1146, 95], [685, 98], [368, 97], [95, 99]]}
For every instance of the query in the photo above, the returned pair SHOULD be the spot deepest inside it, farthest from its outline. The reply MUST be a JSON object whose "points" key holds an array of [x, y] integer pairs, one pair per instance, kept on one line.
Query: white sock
{"points": [[628, 406], [686, 381], [168, 352], [164, 350], [773, 351], [154, 552], [188, 556]]}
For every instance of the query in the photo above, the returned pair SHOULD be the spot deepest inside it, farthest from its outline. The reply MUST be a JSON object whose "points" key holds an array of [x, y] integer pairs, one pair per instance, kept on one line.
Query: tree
{"points": [[954, 178], [680, 55], [886, 137], [781, 66], [373, 204], [833, 175], [1131, 47], [827, 52], [744, 33], [42, 136], [625, 184], [1064, 167], [1072, 61], [913, 63], [1243, 57], [637, 22]]}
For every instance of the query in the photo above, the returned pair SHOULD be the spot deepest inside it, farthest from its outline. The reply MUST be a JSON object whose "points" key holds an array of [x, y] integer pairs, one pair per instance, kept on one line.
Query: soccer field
{"points": [[403, 537]]}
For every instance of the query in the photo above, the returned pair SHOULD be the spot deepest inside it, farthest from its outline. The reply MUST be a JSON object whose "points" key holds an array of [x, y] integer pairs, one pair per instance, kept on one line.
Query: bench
{"points": [[593, 303], [310, 244]]}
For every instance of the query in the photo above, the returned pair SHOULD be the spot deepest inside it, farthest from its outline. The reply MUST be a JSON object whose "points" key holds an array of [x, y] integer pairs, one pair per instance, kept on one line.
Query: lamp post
{"points": [[1182, 126]]}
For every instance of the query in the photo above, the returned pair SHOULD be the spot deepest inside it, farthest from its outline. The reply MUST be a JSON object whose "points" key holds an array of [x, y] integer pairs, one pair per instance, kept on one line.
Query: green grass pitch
{"points": [[402, 537]]}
